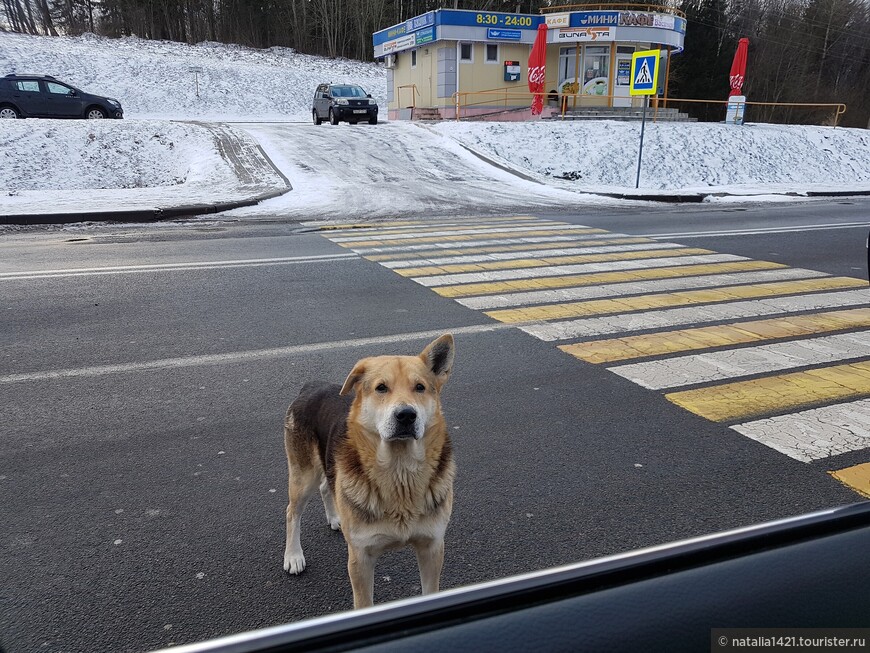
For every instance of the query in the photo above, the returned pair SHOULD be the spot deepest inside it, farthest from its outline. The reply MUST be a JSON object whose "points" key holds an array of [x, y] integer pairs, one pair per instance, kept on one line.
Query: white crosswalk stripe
{"points": [[671, 317], [579, 268], [508, 256], [734, 363], [632, 288]]}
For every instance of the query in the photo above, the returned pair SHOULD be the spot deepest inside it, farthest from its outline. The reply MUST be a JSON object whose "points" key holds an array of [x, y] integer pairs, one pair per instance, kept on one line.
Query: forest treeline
{"points": [[800, 50]]}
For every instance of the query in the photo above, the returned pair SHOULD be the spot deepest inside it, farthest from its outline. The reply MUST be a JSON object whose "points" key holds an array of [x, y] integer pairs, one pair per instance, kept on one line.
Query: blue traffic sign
{"points": [[644, 72]]}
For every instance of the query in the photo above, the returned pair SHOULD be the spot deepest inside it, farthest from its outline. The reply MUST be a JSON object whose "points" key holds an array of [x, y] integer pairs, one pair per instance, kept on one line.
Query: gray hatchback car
{"points": [[347, 102]]}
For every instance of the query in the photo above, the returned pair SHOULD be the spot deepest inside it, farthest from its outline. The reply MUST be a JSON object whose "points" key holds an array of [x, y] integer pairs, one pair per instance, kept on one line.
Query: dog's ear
{"points": [[353, 378], [438, 356]]}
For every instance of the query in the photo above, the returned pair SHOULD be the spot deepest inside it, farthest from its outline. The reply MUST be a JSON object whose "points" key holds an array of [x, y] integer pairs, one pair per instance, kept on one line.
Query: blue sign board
{"points": [[504, 34], [425, 36], [595, 19], [487, 19]]}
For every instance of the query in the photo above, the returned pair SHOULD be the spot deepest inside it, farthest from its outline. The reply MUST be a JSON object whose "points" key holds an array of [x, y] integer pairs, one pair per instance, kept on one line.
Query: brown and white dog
{"points": [[383, 463]]}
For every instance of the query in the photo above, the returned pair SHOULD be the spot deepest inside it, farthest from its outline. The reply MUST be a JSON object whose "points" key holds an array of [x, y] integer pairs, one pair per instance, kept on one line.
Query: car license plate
{"points": [[359, 110]]}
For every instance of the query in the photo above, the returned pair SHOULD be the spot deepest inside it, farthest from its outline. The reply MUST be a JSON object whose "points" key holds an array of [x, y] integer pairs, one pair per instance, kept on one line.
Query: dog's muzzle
{"points": [[406, 424]]}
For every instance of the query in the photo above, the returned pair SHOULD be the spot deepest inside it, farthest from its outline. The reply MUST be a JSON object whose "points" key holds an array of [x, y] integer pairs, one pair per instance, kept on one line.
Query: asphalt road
{"points": [[142, 468]]}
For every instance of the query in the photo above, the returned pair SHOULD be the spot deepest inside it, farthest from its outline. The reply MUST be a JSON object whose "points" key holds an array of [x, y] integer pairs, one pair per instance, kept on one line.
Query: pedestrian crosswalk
{"points": [[779, 354]]}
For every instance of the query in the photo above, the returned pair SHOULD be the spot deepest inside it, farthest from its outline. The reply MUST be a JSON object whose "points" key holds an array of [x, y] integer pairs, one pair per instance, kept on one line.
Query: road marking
{"points": [[744, 400], [375, 226], [662, 300], [243, 356], [647, 251], [816, 433], [569, 281], [435, 229], [673, 258], [761, 231], [633, 288], [400, 251], [748, 361], [586, 248], [672, 342], [668, 318], [411, 257], [424, 236], [172, 267], [857, 478], [381, 245]]}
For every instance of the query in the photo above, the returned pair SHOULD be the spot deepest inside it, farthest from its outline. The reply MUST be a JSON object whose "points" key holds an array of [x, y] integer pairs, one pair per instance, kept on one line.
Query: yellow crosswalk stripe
{"points": [[516, 264], [737, 333], [458, 238], [667, 300], [578, 280], [416, 223], [411, 229], [493, 249], [744, 400], [856, 478]]}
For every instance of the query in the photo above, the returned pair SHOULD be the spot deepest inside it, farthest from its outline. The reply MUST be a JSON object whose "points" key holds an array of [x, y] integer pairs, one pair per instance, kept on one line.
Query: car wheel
{"points": [[317, 120], [95, 113], [8, 112], [373, 121], [333, 119]]}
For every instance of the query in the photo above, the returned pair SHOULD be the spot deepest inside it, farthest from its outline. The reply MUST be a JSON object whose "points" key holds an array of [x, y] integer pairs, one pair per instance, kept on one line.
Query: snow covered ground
{"points": [[152, 79], [684, 157], [340, 172]]}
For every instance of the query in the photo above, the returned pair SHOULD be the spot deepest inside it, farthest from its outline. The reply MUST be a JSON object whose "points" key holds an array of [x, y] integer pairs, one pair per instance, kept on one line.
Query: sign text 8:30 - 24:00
{"points": [[504, 21]]}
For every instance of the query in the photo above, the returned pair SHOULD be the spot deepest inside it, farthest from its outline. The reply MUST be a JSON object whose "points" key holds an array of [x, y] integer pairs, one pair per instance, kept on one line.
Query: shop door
{"points": [[621, 97]]}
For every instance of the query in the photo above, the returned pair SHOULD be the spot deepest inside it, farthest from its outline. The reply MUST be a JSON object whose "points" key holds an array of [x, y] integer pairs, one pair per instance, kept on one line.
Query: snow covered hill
{"points": [[152, 79]]}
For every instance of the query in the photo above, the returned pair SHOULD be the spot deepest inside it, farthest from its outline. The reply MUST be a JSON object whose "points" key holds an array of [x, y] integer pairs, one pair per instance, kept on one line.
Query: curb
{"points": [[141, 215]]}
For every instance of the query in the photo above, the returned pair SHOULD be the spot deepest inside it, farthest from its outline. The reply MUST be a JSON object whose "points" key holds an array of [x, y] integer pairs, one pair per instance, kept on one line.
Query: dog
{"points": [[383, 462]]}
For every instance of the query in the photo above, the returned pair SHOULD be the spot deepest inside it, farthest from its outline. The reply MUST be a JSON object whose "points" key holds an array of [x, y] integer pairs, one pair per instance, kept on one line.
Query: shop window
{"points": [[492, 53], [466, 52], [413, 58], [596, 70]]}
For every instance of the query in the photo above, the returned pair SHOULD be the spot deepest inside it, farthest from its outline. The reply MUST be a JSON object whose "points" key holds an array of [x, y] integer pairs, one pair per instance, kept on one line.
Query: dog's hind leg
{"points": [[304, 474], [329, 504], [303, 483]]}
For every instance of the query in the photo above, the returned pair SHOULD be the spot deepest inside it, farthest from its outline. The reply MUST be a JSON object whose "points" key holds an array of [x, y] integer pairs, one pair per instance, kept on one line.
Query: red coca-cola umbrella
{"points": [[538, 69], [738, 67]]}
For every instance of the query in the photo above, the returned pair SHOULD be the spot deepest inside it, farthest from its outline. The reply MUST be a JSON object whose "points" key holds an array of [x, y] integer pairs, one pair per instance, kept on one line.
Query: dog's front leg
{"points": [[361, 568], [430, 559]]}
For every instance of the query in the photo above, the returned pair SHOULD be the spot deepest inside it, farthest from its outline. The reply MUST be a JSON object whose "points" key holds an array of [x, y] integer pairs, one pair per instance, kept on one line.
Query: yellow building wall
{"points": [[478, 75]]}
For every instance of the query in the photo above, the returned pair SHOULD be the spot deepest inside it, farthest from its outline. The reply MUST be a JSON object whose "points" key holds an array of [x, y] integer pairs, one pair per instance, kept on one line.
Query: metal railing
{"points": [[499, 100]]}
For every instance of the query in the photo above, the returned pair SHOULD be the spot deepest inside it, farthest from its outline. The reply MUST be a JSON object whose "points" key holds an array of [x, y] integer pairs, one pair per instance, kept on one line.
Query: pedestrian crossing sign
{"points": [[644, 72]]}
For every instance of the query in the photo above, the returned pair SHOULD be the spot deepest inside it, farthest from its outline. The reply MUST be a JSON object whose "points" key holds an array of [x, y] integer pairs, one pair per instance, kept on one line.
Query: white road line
{"points": [[580, 268], [541, 253], [410, 249], [471, 222], [466, 232], [245, 356], [668, 318], [734, 363], [413, 228], [633, 288], [760, 231], [816, 433], [172, 267]]}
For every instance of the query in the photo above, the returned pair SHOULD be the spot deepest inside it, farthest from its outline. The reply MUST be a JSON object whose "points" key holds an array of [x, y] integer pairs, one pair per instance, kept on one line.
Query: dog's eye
{"points": [[420, 388], [381, 388]]}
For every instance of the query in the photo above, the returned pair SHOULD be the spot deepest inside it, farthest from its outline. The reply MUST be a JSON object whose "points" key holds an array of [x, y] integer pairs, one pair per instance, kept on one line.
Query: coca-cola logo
{"points": [[537, 75], [736, 81]]}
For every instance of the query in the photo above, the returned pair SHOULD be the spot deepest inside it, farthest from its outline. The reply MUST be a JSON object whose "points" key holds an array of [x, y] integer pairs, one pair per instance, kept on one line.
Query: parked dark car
{"points": [[348, 102], [43, 96]]}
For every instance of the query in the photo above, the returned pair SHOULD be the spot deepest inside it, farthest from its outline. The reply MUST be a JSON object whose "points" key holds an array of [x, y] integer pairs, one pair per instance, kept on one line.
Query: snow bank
{"points": [[602, 155], [66, 155], [152, 78]]}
